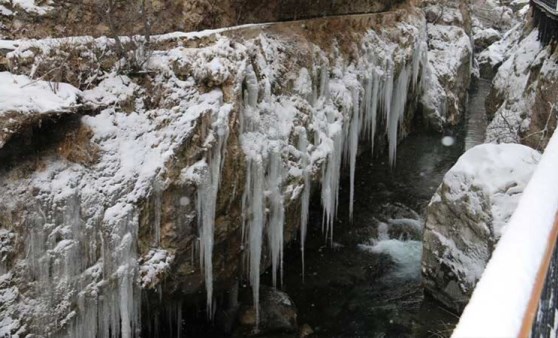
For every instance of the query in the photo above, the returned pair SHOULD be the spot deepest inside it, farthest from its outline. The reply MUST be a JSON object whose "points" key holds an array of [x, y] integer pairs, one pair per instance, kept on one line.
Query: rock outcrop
{"points": [[468, 215], [496, 26], [523, 103], [450, 55], [193, 163]]}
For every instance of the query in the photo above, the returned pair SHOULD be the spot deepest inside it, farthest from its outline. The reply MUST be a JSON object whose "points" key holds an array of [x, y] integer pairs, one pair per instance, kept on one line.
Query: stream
{"points": [[368, 283]]}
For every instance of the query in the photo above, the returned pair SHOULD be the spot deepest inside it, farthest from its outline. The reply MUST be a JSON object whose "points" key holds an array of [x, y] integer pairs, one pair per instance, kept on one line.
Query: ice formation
{"points": [[344, 109], [207, 199]]}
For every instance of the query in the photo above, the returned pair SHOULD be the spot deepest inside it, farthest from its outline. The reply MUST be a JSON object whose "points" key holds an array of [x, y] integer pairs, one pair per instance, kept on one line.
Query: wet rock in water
{"points": [[278, 313], [467, 216], [305, 331]]}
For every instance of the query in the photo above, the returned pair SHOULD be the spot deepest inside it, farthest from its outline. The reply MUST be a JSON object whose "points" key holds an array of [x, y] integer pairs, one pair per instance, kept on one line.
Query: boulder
{"points": [[277, 313], [484, 38], [468, 214]]}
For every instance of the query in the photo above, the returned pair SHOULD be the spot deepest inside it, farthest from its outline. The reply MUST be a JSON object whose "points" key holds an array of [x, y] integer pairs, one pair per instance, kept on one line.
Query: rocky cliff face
{"points": [[450, 54], [523, 102], [58, 18], [467, 216], [521, 105], [187, 166]]}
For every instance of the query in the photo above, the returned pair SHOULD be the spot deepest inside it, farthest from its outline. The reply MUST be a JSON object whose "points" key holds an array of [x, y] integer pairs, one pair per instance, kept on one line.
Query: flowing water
{"points": [[368, 284], [476, 122]]}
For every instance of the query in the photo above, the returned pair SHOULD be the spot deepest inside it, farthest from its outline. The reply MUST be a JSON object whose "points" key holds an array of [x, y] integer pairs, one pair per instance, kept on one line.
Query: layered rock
{"points": [[467, 216], [58, 18], [194, 157]]}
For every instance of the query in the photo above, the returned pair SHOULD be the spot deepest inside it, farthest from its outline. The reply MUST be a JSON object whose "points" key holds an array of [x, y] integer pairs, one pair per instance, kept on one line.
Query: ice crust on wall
{"points": [[346, 104], [82, 224]]}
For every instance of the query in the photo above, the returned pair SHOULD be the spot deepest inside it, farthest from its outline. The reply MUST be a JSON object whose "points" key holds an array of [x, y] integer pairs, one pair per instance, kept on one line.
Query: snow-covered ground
{"points": [[28, 6]]}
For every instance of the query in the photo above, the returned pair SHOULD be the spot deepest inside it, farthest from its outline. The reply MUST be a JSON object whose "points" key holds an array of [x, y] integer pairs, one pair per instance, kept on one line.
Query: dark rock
{"points": [[278, 313]]}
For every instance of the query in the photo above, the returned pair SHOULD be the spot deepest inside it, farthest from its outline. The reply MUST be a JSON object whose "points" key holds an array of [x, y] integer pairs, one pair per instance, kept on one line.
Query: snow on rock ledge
{"points": [[467, 216], [24, 102]]}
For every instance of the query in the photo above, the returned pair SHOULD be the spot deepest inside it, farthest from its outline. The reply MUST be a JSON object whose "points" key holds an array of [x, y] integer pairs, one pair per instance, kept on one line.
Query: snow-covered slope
{"points": [[208, 149]]}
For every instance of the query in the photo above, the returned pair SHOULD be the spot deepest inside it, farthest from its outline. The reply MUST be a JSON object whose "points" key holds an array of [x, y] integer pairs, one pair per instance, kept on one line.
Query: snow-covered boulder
{"points": [[486, 37], [492, 57], [468, 214]]}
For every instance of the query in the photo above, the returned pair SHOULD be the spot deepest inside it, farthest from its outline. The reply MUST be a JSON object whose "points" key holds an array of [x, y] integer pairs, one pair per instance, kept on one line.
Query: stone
{"points": [[278, 313], [305, 331], [468, 214], [485, 38]]}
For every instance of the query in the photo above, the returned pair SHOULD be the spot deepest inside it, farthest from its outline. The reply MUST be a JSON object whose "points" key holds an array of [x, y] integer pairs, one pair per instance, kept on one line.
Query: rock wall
{"points": [[58, 18], [467, 216], [522, 105], [193, 162], [450, 54]]}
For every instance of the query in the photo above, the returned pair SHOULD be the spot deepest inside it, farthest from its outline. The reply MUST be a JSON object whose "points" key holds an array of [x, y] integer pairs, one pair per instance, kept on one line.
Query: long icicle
{"points": [[277, 213], [353, 147], [305, 200], [207, 203]]}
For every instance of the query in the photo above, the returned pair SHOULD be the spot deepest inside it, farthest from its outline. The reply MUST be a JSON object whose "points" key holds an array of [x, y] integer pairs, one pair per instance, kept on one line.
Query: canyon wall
{"points": [[181, 169], [58, 18]]}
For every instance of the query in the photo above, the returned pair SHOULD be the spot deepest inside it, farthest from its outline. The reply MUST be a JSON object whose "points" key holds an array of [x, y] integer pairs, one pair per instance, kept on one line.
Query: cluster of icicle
{"points": [[379, 94], [59, 267]]}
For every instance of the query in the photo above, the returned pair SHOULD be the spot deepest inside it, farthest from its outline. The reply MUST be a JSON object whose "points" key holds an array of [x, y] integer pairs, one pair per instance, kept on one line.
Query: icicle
{"points": [[370, 106], [207, 202], [330, 179], [374, 108], [354, 130], [367, 105], [324, 83], [305, 200], [277, 213], [254, 206], [387, 90], [398, 103], [251, 92]]}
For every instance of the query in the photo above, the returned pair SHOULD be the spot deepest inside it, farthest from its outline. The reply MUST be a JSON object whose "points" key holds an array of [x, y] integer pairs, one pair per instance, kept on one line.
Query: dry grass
{"points": [[78, 148]]}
